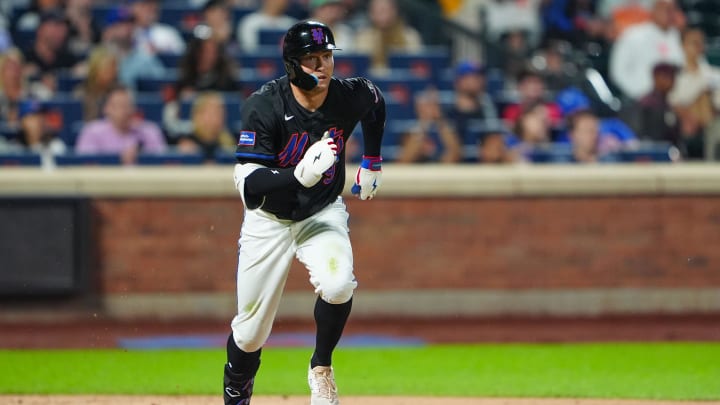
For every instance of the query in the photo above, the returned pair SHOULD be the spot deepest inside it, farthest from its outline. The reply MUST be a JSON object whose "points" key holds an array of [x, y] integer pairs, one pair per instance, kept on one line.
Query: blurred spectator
{"points": [[506, 16], [271, 15], [494, 148], [134, 62], [553, 65], [587, 141], [216, 14], [84, 30], [13, 86], [30, 19], [511, 53], [151, 35], [332, 13], [573, 21], [386, 33], [641, 47], [121, 131], [696, 93], [614, 134], [471, 100], [532, 130], [468, 15], [36, 134], [50, 54], [432, 138], [205, 65], [209, 135], [101, 78], [656, 120], [622, 14], [531, 90]]}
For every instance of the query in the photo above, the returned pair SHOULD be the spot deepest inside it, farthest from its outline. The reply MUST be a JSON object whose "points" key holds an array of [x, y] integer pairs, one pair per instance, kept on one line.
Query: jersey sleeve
{"points": [[255, 141], [373, 119]]}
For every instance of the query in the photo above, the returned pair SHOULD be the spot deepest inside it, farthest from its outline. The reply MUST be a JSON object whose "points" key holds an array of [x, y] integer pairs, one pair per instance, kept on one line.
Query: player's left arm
{"points": [[369, 174]]}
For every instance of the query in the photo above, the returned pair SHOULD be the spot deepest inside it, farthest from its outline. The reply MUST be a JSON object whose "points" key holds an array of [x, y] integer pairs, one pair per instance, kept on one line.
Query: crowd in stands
{"points": [[466, 81]]}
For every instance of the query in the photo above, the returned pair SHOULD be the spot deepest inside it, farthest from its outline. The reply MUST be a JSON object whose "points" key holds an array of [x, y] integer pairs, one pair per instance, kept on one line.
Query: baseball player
{"points": [[290, 175]]}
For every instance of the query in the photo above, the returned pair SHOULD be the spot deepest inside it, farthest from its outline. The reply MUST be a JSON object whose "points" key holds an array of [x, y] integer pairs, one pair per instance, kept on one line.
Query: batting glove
{"points": [[368, 177], [319, 157]]}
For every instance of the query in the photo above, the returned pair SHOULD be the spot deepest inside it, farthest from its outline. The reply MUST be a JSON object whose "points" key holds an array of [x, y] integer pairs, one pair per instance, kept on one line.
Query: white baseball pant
{"points": [[267, 246]]}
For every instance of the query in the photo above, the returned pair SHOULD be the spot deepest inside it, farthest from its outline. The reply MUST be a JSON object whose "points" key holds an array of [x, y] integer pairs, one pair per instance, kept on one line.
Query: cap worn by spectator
{"points": [[53, 16], [665, 68], [117, 15], [28, 107], [468, 67], [214, 3], [572, 100]]}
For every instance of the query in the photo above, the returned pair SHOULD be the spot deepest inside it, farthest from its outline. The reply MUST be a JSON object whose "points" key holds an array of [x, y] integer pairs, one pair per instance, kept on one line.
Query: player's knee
{"points": [[252, 344], [338, 293]]}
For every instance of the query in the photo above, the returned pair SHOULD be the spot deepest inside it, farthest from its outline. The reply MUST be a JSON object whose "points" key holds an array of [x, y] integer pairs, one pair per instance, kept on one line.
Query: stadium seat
{"points": [[151, 106], [72, 159], [265, 62], [19, 159], [68, 110], [271, 37], [427, 64], [170, 158], [351, 65]]}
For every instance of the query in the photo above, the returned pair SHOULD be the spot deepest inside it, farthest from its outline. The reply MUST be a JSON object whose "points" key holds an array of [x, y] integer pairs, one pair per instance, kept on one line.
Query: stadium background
{"points": [[497, 248]]}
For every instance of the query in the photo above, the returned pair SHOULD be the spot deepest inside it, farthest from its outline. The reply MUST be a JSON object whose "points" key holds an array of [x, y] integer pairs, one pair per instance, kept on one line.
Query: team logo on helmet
{"points": [[318, 35]]}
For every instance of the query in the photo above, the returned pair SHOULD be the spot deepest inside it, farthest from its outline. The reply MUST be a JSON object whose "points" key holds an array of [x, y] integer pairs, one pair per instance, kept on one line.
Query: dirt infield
{"points": [[274, 400]]}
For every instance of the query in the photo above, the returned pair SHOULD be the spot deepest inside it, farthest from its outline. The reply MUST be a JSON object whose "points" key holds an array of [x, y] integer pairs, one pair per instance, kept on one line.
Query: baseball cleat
{"points": [[323, 390], [237, 388]]}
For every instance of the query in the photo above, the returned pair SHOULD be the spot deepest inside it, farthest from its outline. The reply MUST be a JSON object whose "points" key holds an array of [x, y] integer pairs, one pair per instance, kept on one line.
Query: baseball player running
{"points": [[290, 175]]}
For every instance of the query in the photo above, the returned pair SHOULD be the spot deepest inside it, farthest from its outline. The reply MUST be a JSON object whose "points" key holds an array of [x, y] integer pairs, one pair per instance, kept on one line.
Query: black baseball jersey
{"points": [[277, 130]]}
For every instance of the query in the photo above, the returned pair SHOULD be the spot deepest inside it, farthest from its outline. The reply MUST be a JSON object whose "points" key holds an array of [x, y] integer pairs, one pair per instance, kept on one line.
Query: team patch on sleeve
{"points": [[247, 138]]}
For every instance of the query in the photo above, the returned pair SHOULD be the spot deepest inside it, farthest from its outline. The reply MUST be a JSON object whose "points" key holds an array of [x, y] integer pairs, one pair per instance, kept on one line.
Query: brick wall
{"points": [[148, 245]]}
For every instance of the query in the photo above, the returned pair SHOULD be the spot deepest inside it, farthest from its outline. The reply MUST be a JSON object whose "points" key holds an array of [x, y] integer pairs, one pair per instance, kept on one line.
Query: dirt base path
{"points": [[303, 400]]}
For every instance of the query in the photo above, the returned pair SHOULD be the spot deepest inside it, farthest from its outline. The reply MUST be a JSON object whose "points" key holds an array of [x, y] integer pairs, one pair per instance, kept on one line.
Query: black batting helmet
{"points": [[301, 39], [306, 37]]}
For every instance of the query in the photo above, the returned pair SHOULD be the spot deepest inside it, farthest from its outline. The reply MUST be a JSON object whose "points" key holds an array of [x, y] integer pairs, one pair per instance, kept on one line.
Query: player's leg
{"points": [[324, 248], [265, 254]]}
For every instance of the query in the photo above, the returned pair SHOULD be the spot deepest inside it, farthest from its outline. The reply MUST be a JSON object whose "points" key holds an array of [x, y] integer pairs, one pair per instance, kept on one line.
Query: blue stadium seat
{"points": [[151, 105], [19, 159], [170, 158], [271, 37], [647, 153], [427, 64], [351, 65], [70, 110], [87, 160], [169, 60], [266, 62], [67, 82]]}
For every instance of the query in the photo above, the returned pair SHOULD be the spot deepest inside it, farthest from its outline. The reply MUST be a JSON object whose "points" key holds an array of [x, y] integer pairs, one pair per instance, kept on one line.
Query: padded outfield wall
{"points": [[437, 240]]}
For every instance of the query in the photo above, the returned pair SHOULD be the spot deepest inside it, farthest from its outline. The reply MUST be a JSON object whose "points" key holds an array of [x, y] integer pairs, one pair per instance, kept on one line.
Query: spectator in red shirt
{"points": [[531, 90]]}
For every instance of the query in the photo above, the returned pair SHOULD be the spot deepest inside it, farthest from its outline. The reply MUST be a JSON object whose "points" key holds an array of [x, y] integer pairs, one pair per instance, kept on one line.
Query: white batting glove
{"points": [[368, 177], [319, 157]]}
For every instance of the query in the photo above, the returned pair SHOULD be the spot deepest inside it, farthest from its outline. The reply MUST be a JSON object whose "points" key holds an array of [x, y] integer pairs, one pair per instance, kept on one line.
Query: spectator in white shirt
{"points": [[642, 46], [151, 35], [271, 15]]}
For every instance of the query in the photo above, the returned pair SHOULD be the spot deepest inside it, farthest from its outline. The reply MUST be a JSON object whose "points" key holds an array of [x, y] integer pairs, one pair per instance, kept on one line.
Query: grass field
{"points": [[671, 371]]}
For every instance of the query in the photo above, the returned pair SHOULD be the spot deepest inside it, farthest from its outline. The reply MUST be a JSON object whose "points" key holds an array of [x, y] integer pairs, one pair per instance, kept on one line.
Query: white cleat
{"points": [[323, 390]]}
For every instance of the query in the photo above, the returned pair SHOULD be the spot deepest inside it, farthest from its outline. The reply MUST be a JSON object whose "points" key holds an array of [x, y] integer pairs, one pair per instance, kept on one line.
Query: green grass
{"points": [[675, 371]]}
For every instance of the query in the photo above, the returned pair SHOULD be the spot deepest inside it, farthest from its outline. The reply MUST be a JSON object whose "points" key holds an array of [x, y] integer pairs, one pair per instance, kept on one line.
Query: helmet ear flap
{"points": [[297, 76]]}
